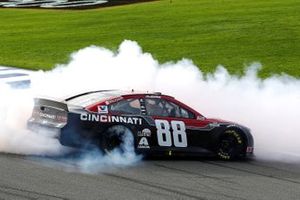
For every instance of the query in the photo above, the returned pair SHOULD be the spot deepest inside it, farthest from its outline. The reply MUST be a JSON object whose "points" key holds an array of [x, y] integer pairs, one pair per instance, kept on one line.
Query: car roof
{"points": [[120, 93], [94, 97], [145, 94]]}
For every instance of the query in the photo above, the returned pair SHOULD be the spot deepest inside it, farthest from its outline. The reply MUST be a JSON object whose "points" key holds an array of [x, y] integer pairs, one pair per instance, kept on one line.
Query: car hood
{"points": [[224, 122], [214, 120]]}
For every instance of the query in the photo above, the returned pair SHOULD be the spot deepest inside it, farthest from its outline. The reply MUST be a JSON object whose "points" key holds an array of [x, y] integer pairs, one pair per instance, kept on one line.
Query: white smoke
{"points": [[15, 109], [269, 107], [94, 161]]}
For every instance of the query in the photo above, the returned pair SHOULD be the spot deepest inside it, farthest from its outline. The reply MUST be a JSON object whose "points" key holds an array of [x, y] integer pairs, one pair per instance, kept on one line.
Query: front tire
{"points": [[231, 145]]}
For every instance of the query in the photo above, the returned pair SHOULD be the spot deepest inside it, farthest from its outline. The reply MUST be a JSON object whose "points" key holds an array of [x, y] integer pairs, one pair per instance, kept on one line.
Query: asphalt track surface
{"points": [[23, 177]]}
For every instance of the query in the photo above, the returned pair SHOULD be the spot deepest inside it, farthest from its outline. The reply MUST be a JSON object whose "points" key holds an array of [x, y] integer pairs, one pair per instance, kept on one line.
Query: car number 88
{"points": [[164, 134]]}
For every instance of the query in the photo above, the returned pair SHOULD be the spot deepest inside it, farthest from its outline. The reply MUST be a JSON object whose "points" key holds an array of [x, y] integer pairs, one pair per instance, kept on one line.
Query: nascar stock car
{"points": [[155, 124]]}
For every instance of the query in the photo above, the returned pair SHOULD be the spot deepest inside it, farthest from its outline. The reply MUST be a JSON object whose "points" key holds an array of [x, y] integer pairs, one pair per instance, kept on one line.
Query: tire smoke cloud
{"points": [[269, 107]]}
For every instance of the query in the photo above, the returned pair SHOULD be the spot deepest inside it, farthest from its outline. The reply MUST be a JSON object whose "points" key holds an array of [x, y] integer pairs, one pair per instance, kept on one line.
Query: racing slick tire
{"points": [[118, 138], [231, 145]]}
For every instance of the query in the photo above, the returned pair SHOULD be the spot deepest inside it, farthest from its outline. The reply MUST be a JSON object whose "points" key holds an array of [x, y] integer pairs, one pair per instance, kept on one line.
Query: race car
{"points": [[151, 123]]}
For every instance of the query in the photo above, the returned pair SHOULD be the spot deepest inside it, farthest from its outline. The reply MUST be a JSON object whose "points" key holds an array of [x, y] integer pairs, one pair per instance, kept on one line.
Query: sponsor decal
{"points": [[200, 118], [145, 133], [143, 110], [44, 115], [143, 143], [249, 149], [224, 155], [213, 125], [142, 105], [60, 118], [110, 118], [235, 134], [103, 109], [153, 96], [113, 100]]}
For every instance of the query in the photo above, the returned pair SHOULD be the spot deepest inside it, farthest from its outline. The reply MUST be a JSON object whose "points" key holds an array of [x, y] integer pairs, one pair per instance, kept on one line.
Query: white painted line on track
{"points": [[15, 77], [2, 67]]}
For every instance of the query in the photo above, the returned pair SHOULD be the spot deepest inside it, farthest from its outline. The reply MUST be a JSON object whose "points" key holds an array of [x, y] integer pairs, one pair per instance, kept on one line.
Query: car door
{"points": [[176, 127]]}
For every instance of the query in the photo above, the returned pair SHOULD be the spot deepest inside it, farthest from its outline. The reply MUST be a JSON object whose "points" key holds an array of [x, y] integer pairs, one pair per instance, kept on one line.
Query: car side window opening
{"points": [[163, 108], [126, 106], [187, 114], [155, 107]]}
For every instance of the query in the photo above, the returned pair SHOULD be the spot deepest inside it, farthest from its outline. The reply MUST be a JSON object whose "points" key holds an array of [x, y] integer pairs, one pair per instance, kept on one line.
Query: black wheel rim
{"points": [[228, 145], [118, 138], [113, 141]]}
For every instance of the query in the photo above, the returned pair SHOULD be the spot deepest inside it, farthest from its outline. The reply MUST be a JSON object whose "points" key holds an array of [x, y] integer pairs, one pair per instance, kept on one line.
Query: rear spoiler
{"points": [[85, 93], [49, 113], [42, 103]]}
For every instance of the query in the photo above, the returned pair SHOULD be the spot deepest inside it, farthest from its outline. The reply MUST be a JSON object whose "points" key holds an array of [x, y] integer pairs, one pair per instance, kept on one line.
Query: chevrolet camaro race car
{"points": [[152, 123]]}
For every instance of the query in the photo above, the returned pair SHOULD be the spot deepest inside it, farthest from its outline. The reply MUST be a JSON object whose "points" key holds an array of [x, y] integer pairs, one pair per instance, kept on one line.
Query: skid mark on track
{"points": [[200, 175], [144, 183], [16, 193], [267, 166], [252, 172]]}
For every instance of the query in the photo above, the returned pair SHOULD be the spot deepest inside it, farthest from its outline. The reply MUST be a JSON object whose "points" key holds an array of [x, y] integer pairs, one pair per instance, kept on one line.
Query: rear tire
{"points": [[119, 138], [231, 145]]}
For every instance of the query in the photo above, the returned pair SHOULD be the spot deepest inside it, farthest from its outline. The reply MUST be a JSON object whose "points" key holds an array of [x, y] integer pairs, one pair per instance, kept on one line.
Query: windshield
{"points": [[90, 98]]}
